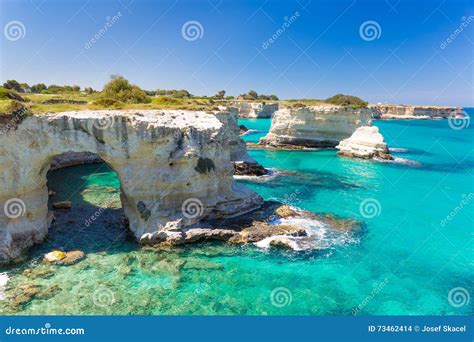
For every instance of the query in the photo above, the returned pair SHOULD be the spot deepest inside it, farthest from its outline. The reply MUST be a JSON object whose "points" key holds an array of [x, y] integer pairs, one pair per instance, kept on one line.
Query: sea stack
{"points": [[314, 126], [365, 143]]}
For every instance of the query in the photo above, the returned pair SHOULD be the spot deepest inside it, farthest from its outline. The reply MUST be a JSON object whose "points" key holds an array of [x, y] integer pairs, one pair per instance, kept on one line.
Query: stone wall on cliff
{"points": [[165, 161]]}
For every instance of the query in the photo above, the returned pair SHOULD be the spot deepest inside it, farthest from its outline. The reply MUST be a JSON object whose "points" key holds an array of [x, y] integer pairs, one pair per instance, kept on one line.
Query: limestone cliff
{"points": [[365, 143], [255, 109], [314, 126], [174, 168], [415, 112], [243, 163]]}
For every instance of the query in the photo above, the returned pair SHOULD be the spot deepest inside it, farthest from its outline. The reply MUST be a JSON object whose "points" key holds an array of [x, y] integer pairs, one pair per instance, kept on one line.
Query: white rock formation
{"points": [[255, 109], [243, 163], [174, 168], [74, 158], [366, 143], [314, 126], [416, 112]]}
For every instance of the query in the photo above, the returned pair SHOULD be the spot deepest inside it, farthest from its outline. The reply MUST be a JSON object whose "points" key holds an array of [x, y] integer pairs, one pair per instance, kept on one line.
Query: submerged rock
{"points": [[199, 264], [365, 143], [72, 257], [62, 205]]}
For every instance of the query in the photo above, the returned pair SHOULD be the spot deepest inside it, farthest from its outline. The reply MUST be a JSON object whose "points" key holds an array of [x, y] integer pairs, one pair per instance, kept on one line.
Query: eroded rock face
{"points": [[314, 126], [416, 112], [243, 163], [164, 160], [366, 143], [273, 224], [74, 158], [255, 109]]}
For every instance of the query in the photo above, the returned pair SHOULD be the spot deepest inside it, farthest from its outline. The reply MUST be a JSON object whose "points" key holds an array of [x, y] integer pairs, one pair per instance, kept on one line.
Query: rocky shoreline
{"points": [[417, 112], [163, 159]]}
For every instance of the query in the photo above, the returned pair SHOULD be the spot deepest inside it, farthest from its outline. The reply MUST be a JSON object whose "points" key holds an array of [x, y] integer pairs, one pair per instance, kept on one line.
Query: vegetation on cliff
{"points": [[119, 93], [119, 89], [347, 101]]}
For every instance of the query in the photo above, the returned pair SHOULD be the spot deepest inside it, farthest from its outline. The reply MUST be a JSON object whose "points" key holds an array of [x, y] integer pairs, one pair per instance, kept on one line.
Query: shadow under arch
{"points": [[95, 222]]}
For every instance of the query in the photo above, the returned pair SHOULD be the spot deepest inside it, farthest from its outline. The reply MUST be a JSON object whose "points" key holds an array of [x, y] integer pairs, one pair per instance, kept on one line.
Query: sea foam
{"points": [[3, 283]]}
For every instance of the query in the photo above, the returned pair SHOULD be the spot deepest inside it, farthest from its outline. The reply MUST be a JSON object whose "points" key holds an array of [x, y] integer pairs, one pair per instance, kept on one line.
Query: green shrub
{"points": [[3, 93], [347, 101], [107, 103], [7, 94], [120, 89]]}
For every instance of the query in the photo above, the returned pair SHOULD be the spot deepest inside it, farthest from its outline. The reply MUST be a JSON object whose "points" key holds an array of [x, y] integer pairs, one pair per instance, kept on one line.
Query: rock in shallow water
{"points": [[365, 143], [272, 225], [64, 258], [62, 205], [54, 256]]}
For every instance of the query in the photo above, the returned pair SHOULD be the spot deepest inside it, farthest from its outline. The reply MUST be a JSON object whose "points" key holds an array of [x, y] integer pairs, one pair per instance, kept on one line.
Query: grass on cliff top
{"points": [[53, 103], [11, 102]]}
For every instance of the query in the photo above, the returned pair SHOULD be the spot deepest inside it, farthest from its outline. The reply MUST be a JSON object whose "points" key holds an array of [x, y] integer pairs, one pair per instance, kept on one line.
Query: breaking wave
{"points": [[320, 235], [398, 149], [272, 173]]}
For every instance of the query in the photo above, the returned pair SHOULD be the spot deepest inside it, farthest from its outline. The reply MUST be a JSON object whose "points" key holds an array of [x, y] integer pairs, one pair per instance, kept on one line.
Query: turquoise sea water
{"points": [[415, 246]]}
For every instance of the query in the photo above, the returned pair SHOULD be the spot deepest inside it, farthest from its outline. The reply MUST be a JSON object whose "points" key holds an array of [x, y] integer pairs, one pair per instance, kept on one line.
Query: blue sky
{"points": [[320, 53]]}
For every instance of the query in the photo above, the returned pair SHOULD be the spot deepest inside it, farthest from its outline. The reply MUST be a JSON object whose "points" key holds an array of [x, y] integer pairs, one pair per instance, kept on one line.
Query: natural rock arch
{"points": [[162, 158]]}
